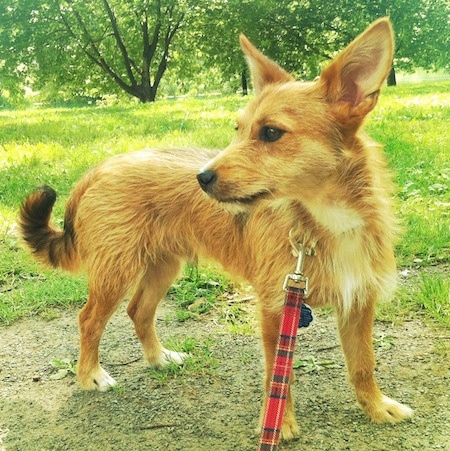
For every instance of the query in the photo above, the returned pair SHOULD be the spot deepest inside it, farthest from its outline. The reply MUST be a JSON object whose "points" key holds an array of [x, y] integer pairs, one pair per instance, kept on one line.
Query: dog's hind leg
{"points": [[357, 344], [142, 309], [102, 302]]}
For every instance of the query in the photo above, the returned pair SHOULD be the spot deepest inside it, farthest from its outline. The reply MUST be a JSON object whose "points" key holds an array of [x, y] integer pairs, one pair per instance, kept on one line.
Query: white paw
{"points": [[390, 411], [168, 357], [101, 380], [396, 410]]}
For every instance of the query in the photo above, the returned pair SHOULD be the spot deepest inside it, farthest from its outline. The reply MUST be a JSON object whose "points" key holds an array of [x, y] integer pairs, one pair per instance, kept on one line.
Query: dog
{"points": [[299, 162]]}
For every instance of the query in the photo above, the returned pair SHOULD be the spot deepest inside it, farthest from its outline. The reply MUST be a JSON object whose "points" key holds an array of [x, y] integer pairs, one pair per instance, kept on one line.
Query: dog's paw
{"points": [[289, 429], [166, 357], [97, 380], [174, 357], [388, 410]]}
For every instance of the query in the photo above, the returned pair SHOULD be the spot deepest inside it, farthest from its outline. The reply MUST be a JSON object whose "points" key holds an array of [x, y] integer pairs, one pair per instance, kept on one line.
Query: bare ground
{"points": [[217, 410]]}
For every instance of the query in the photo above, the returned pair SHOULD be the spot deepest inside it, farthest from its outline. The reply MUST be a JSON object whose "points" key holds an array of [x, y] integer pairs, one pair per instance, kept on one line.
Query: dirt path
{"points": [[218, 410]]}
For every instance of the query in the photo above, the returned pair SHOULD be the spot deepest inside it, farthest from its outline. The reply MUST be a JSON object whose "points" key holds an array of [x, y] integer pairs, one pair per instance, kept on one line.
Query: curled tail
{"points": [[51, 246]]}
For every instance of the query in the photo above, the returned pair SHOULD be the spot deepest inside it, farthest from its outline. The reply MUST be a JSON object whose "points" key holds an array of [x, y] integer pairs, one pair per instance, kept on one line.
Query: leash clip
{"points": [[298, 278]]}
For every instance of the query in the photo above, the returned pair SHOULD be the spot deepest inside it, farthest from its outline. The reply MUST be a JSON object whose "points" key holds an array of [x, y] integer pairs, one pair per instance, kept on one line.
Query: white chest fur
{"points": [[337, 218], [352, 269], [349, 260]]}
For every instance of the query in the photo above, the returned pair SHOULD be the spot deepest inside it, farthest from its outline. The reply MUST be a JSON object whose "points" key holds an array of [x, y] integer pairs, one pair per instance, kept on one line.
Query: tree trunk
{"points": [[244, 84], [145, 94], [392, 80]]}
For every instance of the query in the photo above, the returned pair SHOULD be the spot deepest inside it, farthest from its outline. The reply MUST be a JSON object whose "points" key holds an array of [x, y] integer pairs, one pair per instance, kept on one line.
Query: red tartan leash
{"points": [[296, 288]]}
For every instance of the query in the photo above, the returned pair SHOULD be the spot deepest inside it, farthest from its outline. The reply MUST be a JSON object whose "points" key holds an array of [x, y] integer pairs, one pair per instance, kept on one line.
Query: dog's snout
{"points": [[206, 179]]}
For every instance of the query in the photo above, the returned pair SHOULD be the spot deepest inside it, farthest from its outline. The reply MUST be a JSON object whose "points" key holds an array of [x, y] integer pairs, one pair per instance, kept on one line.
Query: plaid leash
{"points": [[296, 287], [281, 373]]}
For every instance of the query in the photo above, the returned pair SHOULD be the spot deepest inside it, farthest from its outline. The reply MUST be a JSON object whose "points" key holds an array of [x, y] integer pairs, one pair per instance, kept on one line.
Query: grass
{"points": [[197, 292], [412, 122], [432, 296], [56, 146], [205, 290], [200, 362], [426, 294], [26, 289]]}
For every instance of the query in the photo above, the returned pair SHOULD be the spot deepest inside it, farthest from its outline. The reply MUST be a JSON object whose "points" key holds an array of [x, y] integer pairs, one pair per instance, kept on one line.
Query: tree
{"points": [[106, 46], [101, 43], [15, 33], [302, 35], [421, 29]]}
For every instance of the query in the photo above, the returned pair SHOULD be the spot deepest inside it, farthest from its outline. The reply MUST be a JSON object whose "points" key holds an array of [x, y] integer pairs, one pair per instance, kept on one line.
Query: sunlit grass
{"points": [[427, 293], [200, 362], [413, 124], [27, 289], [56, 146]]}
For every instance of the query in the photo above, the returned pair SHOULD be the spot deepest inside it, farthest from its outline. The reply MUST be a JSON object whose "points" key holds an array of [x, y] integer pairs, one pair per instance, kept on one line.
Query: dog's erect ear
{"points": [[355, 77], [264, 70]]}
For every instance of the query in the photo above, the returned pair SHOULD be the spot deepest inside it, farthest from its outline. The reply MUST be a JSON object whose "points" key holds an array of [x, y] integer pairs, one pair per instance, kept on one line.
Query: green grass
{"points": [[433, 295], [26, 289], [413, 124], [204, 290], [428, 294], [200, 361], [56, 146], [196, 292]]}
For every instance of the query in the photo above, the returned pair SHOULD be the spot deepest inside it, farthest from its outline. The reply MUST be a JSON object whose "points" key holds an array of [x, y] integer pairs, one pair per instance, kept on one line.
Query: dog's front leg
{"points": [[356, 339], [270, 324]]}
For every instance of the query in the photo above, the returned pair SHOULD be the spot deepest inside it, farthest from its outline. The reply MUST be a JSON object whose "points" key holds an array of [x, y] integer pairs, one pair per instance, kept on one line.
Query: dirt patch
{"points": [[219, 410]]}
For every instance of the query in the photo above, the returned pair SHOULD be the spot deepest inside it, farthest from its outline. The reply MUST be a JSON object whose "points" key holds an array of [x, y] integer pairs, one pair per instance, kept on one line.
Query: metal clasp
{"points": [[298, 278]]}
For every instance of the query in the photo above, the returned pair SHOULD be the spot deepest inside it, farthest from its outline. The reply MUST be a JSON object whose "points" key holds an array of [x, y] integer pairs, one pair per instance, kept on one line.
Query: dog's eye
{"points": [[270, 134]]}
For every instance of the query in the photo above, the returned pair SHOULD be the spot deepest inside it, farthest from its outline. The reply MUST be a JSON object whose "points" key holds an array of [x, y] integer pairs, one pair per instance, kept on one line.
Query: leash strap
{"points": [[281, 373], [296, 287]]}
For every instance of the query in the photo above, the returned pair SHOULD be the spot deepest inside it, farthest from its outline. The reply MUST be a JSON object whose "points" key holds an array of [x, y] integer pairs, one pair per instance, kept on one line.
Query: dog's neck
{"points": [[336, 216]]}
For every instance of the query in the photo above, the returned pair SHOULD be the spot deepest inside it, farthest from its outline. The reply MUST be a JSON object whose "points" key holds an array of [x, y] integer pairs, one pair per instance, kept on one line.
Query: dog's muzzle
{"points": [[206, 179]]}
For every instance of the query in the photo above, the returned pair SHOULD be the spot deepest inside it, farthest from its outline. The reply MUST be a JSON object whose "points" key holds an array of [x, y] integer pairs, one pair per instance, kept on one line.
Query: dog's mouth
{"points": [[248, 200]]}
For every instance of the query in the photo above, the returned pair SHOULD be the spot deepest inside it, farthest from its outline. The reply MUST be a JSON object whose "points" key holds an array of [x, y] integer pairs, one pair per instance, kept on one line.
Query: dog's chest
{"points": [[338, 219], [351, 268], [344, 271]]}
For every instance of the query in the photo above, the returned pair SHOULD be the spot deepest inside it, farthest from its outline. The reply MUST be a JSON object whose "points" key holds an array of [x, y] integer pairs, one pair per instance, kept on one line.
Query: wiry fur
{"points": [[133, 220]]}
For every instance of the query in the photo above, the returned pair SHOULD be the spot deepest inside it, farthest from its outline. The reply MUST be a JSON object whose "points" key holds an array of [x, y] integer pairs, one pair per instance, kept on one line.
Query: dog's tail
{"points": [[51, 246]]}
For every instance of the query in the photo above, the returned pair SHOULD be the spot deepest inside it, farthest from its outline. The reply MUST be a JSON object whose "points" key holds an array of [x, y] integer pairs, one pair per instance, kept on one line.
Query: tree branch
{"points": [[170, 33], [120, 43], [94, 55], [151, 47]]}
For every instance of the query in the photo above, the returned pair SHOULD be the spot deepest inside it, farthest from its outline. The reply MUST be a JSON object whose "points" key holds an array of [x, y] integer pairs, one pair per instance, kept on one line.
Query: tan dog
{"points": [[299, 161]]}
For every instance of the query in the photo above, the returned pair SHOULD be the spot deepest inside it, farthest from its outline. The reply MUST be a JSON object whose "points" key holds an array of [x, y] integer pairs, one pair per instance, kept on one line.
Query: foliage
{"points": [[65, 367], [72, 48], [86, 48], [310, 365], [302, 35]]}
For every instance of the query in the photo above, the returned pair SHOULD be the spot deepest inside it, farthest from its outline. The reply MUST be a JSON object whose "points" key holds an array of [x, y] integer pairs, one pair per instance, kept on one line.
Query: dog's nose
{"points": [[206, 179]]}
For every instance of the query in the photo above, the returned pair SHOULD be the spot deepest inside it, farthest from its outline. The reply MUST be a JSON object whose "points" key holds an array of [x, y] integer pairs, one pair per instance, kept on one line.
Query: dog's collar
{"points": [[299, 250], [297, 244]]}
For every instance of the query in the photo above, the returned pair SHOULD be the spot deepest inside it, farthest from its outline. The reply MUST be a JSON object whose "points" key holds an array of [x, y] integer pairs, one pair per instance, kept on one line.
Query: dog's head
{"points": [[294, 137]]}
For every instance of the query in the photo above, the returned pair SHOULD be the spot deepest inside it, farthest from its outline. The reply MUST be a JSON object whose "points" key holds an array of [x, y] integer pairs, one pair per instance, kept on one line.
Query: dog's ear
{"points": [[264, 70], [353, 80]]}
